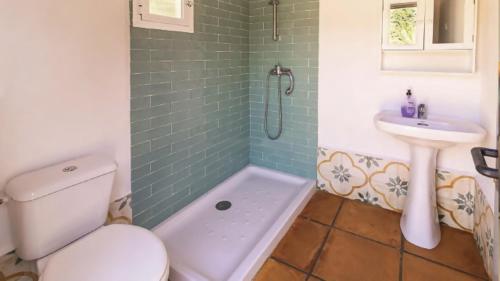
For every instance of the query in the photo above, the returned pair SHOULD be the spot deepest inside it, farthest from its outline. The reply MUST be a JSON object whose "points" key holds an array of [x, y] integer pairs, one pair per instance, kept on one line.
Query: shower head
{"points": [[274, 2]]}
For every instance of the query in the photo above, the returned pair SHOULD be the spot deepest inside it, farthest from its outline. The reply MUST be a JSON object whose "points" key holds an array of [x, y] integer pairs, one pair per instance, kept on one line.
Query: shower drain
{"points": [[223, 205]]}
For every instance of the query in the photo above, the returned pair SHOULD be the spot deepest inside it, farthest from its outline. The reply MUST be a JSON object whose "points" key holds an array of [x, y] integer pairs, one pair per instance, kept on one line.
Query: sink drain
{"points": [[223, 205]]}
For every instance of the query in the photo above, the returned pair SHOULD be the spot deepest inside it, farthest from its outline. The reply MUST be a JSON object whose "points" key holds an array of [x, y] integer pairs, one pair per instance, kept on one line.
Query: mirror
{"points": [[403, 24], [449, 21]]}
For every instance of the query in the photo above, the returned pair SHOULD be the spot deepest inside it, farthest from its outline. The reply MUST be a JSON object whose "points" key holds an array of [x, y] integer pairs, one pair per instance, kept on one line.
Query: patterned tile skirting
{"points": [[120, 211], [484, 223], [13, 268], [384, 183]]}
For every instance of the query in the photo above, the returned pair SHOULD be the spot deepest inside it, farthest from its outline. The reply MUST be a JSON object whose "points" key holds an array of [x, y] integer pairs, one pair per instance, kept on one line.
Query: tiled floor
{"points": [[343, 240]]}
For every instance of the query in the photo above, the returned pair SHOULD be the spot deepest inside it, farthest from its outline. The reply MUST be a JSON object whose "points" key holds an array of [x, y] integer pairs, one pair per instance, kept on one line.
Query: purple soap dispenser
{"points": [[409, 106]]}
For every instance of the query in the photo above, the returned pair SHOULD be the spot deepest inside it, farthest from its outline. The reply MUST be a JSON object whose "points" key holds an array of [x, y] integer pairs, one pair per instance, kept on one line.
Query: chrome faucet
{"points": [[279, 71], [422, 111]]}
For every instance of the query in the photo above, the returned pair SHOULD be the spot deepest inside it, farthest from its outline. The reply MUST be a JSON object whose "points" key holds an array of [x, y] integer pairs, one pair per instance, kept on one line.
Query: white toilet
{"points": [[57, 216]]}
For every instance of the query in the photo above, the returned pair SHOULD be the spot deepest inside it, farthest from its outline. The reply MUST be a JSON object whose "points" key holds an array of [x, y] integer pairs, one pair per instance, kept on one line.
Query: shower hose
{"points": [[280, 110]]}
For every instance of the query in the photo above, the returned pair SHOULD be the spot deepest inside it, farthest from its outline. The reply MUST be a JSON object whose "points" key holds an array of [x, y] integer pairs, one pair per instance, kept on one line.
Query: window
{"points": [[173, 15]]}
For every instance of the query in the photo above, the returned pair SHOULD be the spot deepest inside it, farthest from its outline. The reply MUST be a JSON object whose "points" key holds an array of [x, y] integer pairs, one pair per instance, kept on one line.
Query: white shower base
{"points": [[204, 243]]}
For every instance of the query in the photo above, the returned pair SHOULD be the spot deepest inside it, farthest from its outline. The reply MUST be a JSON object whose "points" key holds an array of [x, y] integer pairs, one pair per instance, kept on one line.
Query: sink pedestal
{"points": [[420, 222]]}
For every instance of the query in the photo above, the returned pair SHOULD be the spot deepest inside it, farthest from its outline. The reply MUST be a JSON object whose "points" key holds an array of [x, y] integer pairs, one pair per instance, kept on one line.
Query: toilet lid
{"points": [[114, 252]]}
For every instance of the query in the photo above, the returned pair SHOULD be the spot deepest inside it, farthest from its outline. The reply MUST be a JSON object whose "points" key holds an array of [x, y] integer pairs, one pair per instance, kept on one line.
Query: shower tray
{"points": [[228, 233]]}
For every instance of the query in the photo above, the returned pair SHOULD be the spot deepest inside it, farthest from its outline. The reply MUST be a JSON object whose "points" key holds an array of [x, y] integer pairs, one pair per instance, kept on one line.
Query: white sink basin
{"points": [[419, 222], [436, 131]]}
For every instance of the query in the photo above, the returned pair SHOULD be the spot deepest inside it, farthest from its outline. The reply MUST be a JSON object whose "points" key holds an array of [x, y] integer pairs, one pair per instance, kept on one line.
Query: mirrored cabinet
{"points": [[439, 31]]}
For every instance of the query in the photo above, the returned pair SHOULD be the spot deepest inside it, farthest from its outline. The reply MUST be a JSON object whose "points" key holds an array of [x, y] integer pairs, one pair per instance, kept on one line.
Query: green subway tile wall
{"points": [[295, 151], [197, 101], [190, 108]]}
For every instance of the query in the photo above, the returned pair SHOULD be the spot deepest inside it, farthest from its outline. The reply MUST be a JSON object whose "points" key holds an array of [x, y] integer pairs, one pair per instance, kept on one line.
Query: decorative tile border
{"points": [[484, 223], [120, 211], [13, 268], [385, 183], [377, 181]]}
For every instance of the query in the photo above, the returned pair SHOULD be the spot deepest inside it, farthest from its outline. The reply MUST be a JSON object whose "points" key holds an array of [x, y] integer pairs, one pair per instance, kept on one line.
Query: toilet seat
{"points": [[114, 252]]}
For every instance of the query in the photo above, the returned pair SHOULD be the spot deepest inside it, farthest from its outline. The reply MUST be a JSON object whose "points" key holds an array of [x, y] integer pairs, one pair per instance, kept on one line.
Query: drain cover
{"points": [[223, 205]]}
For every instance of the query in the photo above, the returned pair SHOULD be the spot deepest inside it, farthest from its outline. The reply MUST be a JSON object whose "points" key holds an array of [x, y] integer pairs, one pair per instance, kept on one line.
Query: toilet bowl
{"points": [[57, 215], [114, 252]]}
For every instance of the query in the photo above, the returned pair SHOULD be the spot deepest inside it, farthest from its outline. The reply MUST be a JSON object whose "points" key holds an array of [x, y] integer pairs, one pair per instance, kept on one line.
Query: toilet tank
{"points": [[52, 207]]}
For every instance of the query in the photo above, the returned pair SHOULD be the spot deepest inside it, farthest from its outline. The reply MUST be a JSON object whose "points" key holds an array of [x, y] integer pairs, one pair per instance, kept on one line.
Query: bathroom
{"points": [[248, 140]]}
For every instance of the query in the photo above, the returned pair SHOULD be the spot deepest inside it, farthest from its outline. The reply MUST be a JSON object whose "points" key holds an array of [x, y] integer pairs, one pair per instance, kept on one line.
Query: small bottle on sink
{"points": [[409, 105]]}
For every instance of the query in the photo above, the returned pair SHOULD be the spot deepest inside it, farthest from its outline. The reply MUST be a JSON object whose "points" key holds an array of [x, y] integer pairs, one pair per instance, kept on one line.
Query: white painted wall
{"points": [[64, 86], [352, 89]]}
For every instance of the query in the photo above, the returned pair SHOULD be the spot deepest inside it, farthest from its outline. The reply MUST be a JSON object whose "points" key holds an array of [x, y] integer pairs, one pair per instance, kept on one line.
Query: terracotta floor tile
{"points": [[301, 244], [323, 207], [370, 221], [457, 249], [312, 278], [417, 269], [347, 257], [275, 271]]}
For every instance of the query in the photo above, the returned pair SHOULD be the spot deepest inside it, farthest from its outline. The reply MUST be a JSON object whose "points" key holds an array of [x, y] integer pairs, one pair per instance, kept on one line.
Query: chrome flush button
{"points": [[69, 169]]}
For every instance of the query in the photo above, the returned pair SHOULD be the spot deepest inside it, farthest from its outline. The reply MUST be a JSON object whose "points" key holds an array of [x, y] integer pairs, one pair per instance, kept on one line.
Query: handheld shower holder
{"points": [[275, 3]]}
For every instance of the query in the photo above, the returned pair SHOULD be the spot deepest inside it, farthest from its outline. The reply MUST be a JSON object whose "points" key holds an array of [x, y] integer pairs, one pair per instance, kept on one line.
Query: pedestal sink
{"points": [[419, 222]]}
